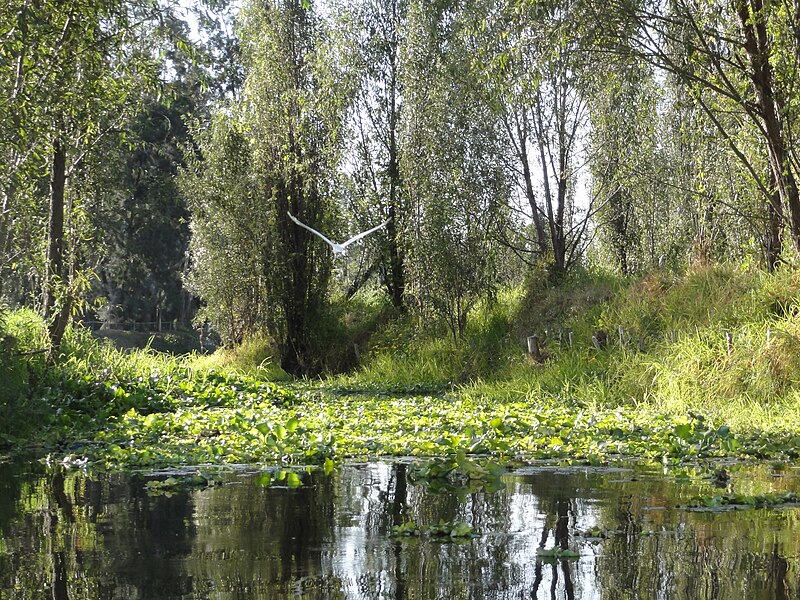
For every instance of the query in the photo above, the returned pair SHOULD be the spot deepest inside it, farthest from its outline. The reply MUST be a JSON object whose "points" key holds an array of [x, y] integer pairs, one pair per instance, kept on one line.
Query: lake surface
{"points": [[67, 534]]}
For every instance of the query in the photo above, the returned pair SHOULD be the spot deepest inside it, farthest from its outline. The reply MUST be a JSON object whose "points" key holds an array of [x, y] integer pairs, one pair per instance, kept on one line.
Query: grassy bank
{"points": [[709, 366], [719, 341]]}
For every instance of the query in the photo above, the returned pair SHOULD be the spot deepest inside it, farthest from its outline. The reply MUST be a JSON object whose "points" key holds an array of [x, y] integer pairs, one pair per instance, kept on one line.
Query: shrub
{"points": [[22, 364]]}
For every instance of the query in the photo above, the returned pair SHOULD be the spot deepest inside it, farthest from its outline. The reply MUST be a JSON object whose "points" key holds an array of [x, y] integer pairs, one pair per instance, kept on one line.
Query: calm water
{"points": [[77, 536]]}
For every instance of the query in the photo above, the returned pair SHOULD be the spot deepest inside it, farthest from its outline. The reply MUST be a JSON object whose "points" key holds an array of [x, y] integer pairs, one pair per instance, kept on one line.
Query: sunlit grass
{"points": [[257, 356], [683, 324]]}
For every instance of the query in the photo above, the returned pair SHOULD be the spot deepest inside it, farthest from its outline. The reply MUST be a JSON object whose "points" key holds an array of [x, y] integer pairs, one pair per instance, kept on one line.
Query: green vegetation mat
{"points": [[215, 418]]}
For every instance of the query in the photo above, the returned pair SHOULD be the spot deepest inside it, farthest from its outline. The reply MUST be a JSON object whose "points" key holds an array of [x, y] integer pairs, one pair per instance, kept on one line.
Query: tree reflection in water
{"points": [[67, 535]]}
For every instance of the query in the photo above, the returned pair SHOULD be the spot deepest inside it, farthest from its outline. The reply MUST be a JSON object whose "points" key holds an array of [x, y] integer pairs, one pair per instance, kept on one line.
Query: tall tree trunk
{"points": [[541, 239], [756, 44], [396, 281], [548, 194], [302, 307], [55, 280], [619, 213], [295, 347], [555, 219], [560, 238], [774, 232], [5, 234], [518, 134]]}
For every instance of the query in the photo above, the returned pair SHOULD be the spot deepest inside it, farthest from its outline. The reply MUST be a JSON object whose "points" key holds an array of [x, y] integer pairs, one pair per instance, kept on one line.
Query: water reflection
{"points": [[72, 536]]}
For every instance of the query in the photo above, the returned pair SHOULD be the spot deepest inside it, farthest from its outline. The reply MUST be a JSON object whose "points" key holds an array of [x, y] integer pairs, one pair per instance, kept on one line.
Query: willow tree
{"points": [[738, 62], [624, 159], [276, 148], [453, 168], [228, 236], [533, 61], [374, 33], [70, 73]]}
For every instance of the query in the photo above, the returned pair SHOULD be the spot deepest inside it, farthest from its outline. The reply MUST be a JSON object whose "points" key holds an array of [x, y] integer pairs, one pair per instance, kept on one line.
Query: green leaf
{"points": [[460, 529], [264, 479], [683, 431], [557, 554]]}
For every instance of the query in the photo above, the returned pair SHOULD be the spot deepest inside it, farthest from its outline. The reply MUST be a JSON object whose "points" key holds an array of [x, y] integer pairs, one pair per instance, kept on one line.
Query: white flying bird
{"points": [[338, 249]]}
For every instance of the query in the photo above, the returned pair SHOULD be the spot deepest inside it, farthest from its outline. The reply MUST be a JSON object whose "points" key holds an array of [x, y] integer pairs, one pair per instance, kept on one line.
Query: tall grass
{"points": [[23, 338], [680, 320], [407, 354], [257, 356]]}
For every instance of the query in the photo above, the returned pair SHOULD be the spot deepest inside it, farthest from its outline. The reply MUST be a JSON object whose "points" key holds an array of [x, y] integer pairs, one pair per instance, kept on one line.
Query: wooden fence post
{"points": [[533, 348], [600, 339]]}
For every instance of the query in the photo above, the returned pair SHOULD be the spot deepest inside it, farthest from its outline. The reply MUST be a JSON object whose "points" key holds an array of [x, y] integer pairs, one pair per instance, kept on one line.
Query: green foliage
{"points": [[10, 370], [696, 369], [403, 355], [255, 356], [215, 418], [625, 160], [573, 304], [680, 322], [28, 330], [682, 399], [70, 75], [335, 347], [740, 501], [459, 473], [255, 269], [281, 477], [556, 554], [229, 232], [456, 180], [23, 337], [406, 529], [441, 531]]}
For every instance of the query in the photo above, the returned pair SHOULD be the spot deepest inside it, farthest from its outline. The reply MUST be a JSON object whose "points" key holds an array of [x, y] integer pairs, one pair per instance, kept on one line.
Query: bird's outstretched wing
{"points": [[363, 234], [312, 230]]}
